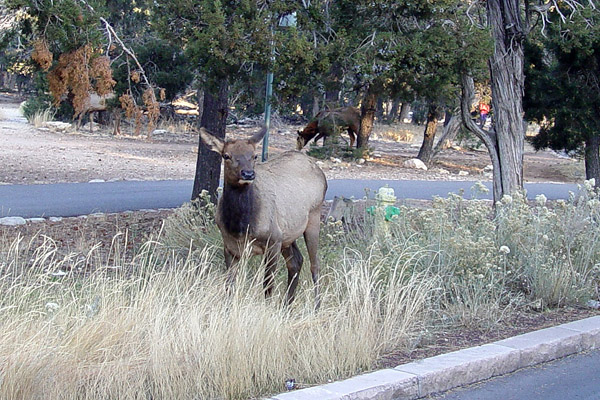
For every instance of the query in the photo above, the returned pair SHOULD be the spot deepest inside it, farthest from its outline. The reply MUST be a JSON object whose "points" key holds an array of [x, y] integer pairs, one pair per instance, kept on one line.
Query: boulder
{"points": [[12, 221], [415, 163]]}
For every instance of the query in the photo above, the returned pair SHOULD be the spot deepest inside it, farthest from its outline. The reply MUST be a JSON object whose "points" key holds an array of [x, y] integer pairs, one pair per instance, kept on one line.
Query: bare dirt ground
{"points": [[34, 156]]}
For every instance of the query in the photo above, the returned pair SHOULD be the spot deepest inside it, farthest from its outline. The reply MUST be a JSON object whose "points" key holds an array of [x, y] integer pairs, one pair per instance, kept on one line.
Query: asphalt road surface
{"points": [[72, 199], [570, 378]]}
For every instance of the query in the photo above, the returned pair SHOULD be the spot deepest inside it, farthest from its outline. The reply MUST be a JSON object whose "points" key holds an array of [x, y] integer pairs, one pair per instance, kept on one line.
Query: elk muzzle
{"points": [[247, 176]]}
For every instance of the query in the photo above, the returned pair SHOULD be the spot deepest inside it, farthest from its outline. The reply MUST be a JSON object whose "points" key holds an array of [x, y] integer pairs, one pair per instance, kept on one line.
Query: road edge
{"points": [[438, 374]]}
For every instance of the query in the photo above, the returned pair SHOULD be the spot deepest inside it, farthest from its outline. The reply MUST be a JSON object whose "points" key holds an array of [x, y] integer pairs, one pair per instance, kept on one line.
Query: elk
{"points": [[325, 123], [269, 206], [96, 103]]}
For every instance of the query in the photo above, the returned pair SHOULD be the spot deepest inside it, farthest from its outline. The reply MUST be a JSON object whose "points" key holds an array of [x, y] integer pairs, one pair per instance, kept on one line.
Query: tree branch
{"points": [[113, 34]]}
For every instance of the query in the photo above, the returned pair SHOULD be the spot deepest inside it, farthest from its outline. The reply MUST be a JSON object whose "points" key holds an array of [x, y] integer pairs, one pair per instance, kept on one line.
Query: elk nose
{"points": [[247, 175]]}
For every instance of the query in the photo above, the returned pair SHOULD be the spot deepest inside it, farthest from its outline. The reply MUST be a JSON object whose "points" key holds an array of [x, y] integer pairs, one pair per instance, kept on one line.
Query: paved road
{"points": [[570, 378], [72, 199]]}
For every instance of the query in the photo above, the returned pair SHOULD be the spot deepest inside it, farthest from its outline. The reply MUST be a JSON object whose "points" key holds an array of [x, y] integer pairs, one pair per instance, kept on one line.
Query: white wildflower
{"points": [[541, 200], [504, 249], [479, 187], [589, 184], [545, 237], [507, 199]]}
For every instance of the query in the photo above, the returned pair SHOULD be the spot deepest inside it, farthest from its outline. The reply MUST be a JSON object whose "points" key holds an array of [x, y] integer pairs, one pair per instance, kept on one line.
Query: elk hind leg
{"points": [[271, 258], [293, 259], [352, 136], [311, 237]]}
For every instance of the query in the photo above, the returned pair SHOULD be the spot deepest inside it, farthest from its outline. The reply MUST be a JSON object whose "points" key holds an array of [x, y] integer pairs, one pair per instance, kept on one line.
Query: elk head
{"points": [[239, 156]]}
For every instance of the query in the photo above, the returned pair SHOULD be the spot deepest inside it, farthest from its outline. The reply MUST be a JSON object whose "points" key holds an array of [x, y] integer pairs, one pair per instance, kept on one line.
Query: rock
{"points": [[55, 219], [594, 304], [57, 125], [488, 168], [361, 161], [97, 181], [320, 163], [36, 220], [443, 171], [463, 173], [12, 221], [415, 163], [159, 132], [335, 160]]}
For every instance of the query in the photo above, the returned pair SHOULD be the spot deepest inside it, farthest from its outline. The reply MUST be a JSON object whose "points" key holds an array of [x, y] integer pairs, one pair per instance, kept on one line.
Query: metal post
{"points": [[269, 92], [286, 20]]}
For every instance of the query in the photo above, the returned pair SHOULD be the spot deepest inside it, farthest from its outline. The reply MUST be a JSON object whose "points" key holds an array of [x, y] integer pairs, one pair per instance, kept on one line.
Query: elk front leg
{"points": [[231, 268]]}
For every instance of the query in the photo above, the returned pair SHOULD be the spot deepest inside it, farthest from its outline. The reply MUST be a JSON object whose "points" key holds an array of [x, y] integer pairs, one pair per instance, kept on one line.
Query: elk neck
{"points": [[238, 208]]}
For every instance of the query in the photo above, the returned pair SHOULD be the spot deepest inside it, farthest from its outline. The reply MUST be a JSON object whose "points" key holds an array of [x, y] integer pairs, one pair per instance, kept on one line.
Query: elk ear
{"points": [[213, 142], [256, 138]]}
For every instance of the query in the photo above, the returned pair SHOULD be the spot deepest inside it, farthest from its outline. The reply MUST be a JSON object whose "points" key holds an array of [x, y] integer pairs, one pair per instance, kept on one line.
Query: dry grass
{"points": [[39, 118], [163, 326], [158, 320], [175, 126], [399, 132]]}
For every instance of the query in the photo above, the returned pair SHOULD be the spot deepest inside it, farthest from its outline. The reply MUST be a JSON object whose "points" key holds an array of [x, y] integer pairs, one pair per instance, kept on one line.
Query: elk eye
{"points": [[226, 156]]}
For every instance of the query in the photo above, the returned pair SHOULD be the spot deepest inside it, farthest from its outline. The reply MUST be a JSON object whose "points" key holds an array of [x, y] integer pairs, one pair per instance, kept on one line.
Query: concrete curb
{"points": [[447, 371]]}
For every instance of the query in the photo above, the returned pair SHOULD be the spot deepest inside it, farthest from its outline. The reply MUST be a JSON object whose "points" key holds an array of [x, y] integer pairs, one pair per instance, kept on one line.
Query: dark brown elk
{"points": [[326, 122], [269, 206]]}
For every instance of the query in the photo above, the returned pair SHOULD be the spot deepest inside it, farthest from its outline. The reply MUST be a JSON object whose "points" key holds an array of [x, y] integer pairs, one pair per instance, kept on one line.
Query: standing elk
{"points": [[96, 103], [268, 206], [326, 122]]}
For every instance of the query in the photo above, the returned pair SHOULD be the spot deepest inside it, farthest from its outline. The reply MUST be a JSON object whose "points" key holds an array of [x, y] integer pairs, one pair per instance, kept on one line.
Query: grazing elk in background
{"points": [[325, 123], [268, 206], [96, 104]]}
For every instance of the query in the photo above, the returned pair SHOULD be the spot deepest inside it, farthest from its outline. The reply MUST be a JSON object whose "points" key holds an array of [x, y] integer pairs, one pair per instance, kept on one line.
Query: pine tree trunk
{"points": [[393, 114], [507, 81], [404, 111], [214, 119], [592, 159], [379, 109], [426, 150], [367, 118], [451, 129], [315, 107], [489, 138]]}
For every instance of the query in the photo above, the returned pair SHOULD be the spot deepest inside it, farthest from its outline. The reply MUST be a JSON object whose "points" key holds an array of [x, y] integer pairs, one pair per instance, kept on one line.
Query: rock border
{"points": [[464, 367]]}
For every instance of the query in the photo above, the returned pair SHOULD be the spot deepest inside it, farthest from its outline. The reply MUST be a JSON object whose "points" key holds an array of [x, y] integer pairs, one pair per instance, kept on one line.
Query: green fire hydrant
{"points": [[384, 210]]}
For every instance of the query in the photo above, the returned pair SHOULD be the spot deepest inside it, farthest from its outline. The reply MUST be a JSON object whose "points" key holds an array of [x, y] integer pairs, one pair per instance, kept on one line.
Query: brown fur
{"points": [[347, 118], [269, 206]]}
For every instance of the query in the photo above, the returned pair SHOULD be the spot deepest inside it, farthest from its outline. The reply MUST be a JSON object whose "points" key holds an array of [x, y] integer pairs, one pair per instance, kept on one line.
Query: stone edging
{"points": [[447, 371]]}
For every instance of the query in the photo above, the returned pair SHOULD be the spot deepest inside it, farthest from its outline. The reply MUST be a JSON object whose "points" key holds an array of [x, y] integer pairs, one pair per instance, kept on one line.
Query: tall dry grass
{"points": [[160, 323], [39, 118]]}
